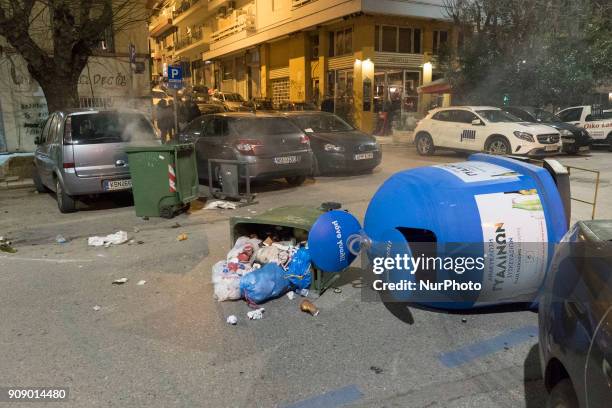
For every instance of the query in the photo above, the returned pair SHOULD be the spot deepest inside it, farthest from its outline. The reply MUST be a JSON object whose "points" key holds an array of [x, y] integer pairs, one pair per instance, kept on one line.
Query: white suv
{"points": [[484, 128]]}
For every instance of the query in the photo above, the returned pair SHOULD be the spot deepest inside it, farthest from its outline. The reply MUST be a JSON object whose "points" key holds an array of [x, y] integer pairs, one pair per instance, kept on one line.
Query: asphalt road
{"points": [[166, 343]]}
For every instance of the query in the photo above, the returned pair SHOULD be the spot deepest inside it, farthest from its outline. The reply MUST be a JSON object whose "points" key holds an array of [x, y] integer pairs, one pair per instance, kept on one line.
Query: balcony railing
{"points": [[196, 35], [183, 6], [242, 22]]}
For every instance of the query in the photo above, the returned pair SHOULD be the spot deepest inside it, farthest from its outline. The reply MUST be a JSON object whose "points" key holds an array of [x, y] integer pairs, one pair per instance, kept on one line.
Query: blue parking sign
{"points": [[175, 76]]}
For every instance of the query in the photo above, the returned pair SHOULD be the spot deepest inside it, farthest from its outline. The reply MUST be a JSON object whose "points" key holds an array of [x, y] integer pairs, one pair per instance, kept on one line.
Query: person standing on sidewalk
{"points": [[165, 121]]}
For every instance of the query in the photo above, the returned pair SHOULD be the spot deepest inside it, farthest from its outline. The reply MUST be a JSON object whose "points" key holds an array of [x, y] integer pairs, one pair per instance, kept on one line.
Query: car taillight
{"points": [[68, 132], [69, 165], [248, 146], [304, 139]]}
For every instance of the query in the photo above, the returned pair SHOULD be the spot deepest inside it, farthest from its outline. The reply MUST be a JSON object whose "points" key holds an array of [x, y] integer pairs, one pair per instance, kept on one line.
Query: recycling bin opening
{"points": [[453, 236]]}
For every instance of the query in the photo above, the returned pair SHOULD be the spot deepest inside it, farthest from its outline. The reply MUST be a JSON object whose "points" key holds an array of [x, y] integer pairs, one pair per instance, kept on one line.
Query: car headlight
{"points": [[565, 133], [524, 136], [329, 147]]}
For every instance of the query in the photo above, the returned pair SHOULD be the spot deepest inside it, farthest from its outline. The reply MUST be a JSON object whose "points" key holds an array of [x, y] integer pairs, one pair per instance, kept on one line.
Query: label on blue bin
{"points": [[515, 243], [475, 171], [330, 238]]}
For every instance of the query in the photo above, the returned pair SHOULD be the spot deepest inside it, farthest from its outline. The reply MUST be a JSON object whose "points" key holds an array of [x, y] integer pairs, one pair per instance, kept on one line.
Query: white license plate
{"points": [[364, 156], [286, 159], [110, 185], [583, 148], [551, 148]]}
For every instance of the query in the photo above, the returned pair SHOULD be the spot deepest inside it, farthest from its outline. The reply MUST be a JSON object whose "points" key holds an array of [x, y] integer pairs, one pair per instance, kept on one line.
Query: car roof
{"points": [[82, 111], [248, 115], [306, 112]]}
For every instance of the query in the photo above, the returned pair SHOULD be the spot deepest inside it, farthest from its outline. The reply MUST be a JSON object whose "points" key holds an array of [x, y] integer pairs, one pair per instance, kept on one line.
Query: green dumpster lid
{"points": [[289, 216], [157, 147]]}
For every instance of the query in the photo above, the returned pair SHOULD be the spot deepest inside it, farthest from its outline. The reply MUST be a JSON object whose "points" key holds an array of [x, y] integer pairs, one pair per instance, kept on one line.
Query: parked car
{"points": [[337, 146], [208, 108], [296, 106], [484, 128], [271, 144], [81, 152], [157, 94], [575, 319], [573, 138], [234, 102], [260, 105], [596, 121]]}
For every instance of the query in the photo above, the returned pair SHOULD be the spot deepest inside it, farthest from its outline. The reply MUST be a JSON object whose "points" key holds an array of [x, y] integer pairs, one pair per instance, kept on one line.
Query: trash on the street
{"points": [[120, 281], [263, 284], [309, 307], [118, 238], [299, 270], [337, 290], [141, 282], [176, 225], [256, 314], [231, 319], [60, 239], [182, 237], [96, 308], [5, 246], [219, 204], [291, 295], [136, 229], [226, 283], [304, 292]]}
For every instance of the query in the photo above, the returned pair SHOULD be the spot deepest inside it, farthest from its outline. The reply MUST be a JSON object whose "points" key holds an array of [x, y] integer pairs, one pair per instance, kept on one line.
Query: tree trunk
{"points": [[60, 92]]}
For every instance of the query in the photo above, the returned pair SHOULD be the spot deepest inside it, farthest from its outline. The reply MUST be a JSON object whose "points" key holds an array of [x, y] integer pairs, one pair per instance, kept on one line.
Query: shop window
{"points": [[389, 39], [314, 46], [405, 40], [416, 41], [440, 39], [227, 71]]}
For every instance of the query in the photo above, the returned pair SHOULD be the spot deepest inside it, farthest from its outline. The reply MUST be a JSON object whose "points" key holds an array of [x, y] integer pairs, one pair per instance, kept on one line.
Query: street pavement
{"points": [[167, 344]]}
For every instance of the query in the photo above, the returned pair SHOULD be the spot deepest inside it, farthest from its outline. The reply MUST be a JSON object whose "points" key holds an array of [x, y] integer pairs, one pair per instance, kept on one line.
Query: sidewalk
{"points": [[397, 140]]}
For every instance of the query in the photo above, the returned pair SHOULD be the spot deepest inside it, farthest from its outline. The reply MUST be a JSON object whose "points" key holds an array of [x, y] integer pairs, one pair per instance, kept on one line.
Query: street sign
{"points": [[175, 76]]}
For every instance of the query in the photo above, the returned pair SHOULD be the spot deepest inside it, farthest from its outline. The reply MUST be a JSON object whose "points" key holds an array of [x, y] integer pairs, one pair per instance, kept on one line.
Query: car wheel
{"points": [[424, 145], [65, 203], [573, 149], [563, 395], [498, 145], [296, 180], [38, 184]]}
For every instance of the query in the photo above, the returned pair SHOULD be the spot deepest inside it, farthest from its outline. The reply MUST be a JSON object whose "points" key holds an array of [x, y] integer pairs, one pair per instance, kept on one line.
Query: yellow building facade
{"points": [[364, 59]]}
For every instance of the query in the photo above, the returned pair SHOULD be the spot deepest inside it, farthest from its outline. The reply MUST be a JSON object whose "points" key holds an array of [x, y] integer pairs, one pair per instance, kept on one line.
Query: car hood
{"points": [[534, 128], [564, 126], [353, 137]]}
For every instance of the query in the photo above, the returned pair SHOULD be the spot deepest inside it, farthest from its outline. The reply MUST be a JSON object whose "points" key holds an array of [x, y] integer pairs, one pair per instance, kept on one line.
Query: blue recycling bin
{"points": [[504, 214]]}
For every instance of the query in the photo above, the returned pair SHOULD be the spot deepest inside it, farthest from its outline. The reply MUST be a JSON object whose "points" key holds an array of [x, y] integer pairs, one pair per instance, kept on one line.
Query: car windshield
{"points": [[233, 97], [545, 116], [323, 123], [109, 127], [261, 127], [495, 115]]}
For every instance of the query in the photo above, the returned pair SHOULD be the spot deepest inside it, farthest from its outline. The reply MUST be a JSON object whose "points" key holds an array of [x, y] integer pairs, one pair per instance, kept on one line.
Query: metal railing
{"points": [[183, 7], [196, 35], [597, 179]]}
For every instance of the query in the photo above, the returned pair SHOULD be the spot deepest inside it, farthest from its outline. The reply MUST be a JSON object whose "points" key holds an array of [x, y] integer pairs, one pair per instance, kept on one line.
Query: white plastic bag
{"points": [[226, 284]]}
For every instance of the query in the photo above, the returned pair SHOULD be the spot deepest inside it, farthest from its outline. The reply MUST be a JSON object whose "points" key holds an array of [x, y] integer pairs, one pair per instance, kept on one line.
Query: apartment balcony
{"points": [[299, 3], [234, 24], [187, 9], [197, 41]]}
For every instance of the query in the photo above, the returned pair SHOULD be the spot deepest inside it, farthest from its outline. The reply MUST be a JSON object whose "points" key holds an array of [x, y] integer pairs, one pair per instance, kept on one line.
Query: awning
{"points": [[436, 87]]}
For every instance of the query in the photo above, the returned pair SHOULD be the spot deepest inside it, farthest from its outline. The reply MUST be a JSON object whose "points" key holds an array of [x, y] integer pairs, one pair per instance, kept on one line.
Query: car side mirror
{"points": [[477, 122]]}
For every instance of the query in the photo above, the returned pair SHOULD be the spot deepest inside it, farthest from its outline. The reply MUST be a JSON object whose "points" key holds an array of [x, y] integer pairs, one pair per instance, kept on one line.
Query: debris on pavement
{"points": [[256, 314], [96, 308], [120, 281], [136, 230], [291, 295], [5, 246], [304, 292], [118, 238], [182, 237], [176, 225], [309, 307], [463, 320], [231, 319], [377, 370], [219, 204], [141, 282], [337, 290], [60, 239]]}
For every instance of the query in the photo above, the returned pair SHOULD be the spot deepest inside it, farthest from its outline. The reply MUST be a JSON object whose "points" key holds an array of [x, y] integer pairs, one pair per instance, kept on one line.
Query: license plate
{"points": [[111, 185], [551, 148], [364, 156], [583, 148], [286, 160]]}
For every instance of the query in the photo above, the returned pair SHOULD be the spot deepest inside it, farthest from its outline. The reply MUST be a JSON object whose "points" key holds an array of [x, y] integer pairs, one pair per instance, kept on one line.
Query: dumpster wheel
{"points": [[166, 212]]}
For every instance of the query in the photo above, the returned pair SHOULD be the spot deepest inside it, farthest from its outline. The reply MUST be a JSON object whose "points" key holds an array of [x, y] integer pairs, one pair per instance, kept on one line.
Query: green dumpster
{"points": [[164, 178], [289, 220]]}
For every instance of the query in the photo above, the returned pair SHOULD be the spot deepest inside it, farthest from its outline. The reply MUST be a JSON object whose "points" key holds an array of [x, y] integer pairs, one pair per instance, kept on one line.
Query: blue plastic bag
{"points": [[299, 271], [263, 284]]}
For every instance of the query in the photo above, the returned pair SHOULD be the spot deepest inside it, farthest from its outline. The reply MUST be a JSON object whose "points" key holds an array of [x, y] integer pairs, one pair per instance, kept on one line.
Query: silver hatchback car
{"points": [[82, 152]]}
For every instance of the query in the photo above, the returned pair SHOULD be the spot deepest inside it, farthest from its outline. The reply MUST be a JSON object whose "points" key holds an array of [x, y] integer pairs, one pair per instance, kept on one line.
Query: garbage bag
{"points": [[265, 283], [243, 250], [299, 271], [225, 282]]}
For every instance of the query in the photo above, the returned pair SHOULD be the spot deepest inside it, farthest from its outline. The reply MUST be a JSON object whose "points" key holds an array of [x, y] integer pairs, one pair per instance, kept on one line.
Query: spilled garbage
{"points": [[258, 270], [118, 238], [6, 246]]}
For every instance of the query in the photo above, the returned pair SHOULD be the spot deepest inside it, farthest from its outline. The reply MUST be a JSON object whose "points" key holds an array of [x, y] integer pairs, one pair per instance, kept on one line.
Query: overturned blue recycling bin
{"points": [[452, 236]]}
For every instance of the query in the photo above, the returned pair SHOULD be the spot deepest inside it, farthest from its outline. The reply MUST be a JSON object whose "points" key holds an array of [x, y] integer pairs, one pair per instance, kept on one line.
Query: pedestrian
{"points": [[165, 120]]}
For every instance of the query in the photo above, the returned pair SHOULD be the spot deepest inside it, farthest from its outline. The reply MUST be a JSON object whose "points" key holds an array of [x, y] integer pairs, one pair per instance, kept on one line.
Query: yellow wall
{"points": [[299, 75]]}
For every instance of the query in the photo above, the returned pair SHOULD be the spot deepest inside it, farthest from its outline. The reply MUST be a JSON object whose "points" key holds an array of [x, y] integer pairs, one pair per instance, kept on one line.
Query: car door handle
{"points": [[120, 163]]}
